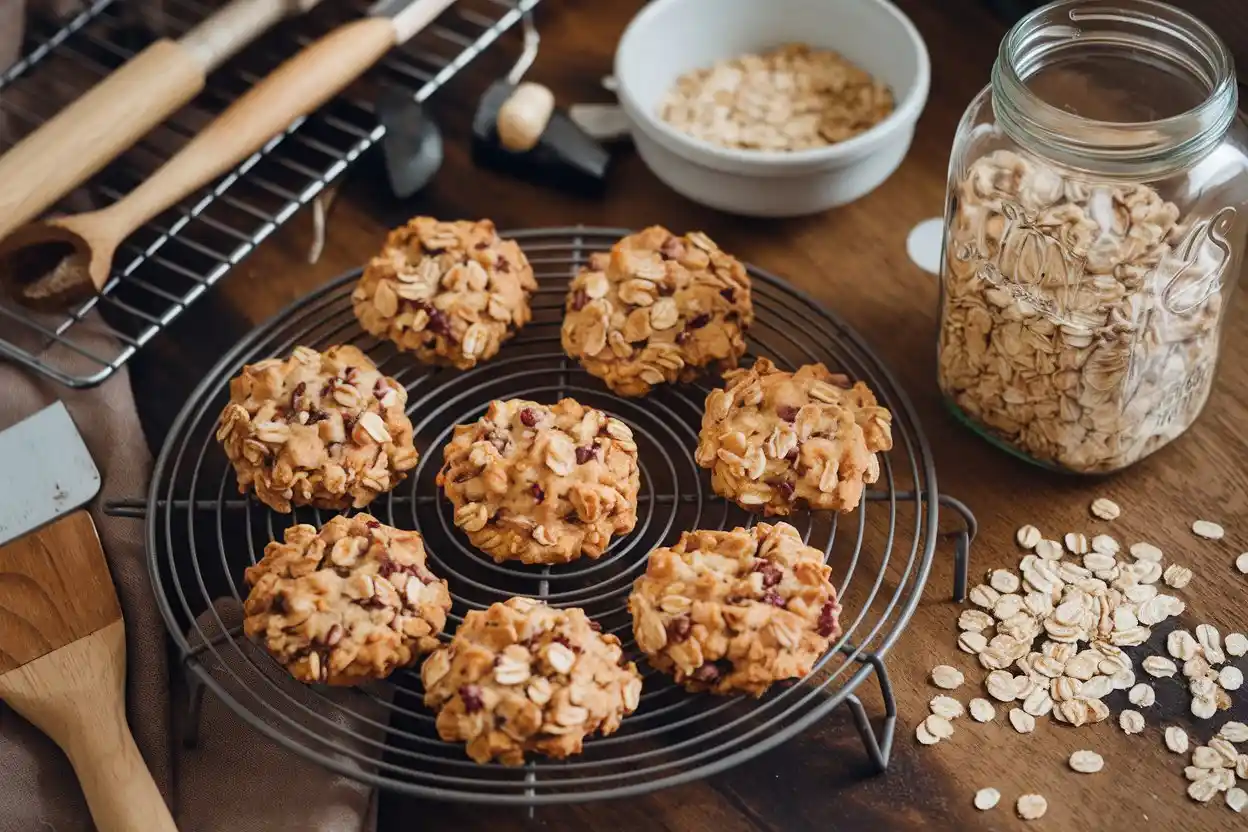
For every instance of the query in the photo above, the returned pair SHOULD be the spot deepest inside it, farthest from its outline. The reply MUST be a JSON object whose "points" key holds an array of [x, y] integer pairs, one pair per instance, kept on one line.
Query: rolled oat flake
{"points": [[1032, 806], [1208, 530], [987, 798]]}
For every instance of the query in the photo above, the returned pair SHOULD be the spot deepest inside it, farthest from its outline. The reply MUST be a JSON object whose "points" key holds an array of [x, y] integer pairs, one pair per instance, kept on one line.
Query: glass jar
{"points": [[1093, 234]]}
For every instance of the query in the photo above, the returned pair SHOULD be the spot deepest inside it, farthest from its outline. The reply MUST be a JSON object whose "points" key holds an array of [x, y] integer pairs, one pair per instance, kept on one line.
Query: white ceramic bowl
{"points": [[671, 37]]}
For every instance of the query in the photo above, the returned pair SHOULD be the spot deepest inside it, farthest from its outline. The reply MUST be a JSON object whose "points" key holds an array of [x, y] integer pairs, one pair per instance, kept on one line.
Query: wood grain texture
{"points": [[75, 696], [54, 589], [853, 261]]}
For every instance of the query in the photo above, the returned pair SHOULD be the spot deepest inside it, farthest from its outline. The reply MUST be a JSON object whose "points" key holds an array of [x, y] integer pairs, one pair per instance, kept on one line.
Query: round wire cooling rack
{"points": [[201, 536]]}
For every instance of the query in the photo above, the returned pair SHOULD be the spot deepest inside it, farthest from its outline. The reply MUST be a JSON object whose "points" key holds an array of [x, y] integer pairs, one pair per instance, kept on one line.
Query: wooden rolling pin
{"points": [[114, 114]]}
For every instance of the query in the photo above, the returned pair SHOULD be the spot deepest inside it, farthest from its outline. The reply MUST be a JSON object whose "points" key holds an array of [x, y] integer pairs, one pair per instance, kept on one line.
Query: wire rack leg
{"points": [[879, 747], [961, 546], [195, 688]]}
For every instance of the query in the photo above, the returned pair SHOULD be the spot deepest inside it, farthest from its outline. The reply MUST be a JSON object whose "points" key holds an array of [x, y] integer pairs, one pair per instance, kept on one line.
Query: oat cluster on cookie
{"points": [[657, 309], [734, 612], [775, 440], [542, 483], [351, 601], [450, 292], [523, 676], [317, 429]]}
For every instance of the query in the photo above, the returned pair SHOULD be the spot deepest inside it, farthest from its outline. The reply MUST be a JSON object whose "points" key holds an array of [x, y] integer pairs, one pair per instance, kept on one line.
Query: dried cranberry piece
{"points": [[528, 417], [783, 486], [373, 524], [386, 567], [480, 244], [678, 629], [682, 337], [299, 391], [827, 624], [580, 299], [595, 626], [771, 573], [711, 671], [326, 388], [672, 249], [787, 412], [471, 694], [700, 321], [791, 456], [380, 389], [564, 641], [350, 371], [538, 493], [278, 604], [772, 597], [315, 416], [585, 454], [438, 324], [502, 265], [728, 295]]}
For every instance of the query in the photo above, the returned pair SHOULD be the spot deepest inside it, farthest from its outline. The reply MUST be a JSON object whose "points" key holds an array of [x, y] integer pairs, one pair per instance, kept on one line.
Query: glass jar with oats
{"points": [[1093, 234]]}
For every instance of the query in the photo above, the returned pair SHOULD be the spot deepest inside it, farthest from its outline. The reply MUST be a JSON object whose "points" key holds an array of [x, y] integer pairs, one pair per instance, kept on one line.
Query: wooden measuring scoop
{"points": [[62, 638]]}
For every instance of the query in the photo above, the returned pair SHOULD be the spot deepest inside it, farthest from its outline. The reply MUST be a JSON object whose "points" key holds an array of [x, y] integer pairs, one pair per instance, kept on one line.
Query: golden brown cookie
{"points": [[775, 440], [657, 309], [317, 429], [450, 292], [350, 602], [542, 483], [730, 612], [525, 677]]}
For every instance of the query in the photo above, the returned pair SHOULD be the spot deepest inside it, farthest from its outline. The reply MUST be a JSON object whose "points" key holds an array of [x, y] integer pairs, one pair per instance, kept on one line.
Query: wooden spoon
{"points": [[50, 264]]}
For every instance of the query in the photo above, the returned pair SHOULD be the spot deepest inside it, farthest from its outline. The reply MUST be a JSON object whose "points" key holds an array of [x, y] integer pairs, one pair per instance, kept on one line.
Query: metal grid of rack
{"points": [[201, 536], [169, 264]]}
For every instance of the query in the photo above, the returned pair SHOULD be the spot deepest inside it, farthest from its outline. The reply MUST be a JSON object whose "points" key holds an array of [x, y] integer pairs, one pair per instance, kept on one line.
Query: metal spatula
{"points": [[62, 638]]}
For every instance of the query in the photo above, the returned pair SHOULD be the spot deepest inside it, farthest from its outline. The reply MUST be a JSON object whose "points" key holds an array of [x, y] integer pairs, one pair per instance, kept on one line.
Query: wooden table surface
{"points": [[853, 260]]}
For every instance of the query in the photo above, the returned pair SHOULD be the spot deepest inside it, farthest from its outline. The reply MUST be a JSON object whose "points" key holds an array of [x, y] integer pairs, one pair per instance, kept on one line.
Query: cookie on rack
{"points": [[317, 429], [542, 483], [350, 602], [775, 440], [735, 612], [450, 292], [657, 309], [522, 677]]}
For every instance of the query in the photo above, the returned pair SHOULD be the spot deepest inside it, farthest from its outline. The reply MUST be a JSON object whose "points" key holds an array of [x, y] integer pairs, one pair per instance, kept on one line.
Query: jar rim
{"points": [[1135, 148]]}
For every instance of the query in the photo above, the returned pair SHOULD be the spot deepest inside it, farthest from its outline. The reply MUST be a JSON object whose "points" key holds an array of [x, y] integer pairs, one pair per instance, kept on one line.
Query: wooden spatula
{"points": [[62, 638]]}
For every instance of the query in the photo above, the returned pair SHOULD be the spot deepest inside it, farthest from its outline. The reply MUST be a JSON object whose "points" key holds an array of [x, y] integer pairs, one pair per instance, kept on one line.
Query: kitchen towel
{"points": [[234, 778]]}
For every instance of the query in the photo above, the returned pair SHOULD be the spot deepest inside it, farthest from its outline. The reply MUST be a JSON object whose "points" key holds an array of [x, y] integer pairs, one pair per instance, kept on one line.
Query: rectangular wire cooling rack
{"points": [[171, 262]]}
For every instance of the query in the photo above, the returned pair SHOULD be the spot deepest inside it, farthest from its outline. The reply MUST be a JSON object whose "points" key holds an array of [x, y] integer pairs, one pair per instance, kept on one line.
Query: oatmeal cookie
{"points": [[659, 308], [540, 483], [735, 611], [450, 292], [350, 602], [317, 429], [524, 677], [774, 439]]}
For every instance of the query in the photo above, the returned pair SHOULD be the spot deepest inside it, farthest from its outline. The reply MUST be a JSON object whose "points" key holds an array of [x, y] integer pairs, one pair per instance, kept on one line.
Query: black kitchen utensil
{"points": [[412, 146]]}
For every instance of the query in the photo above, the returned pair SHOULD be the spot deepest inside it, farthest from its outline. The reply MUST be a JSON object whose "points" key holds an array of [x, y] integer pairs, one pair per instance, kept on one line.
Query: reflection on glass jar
{"points": [[1094, 231]]}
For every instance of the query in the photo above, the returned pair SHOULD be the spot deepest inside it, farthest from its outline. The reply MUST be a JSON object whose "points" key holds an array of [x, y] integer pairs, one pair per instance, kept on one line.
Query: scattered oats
{"points": [[1196, 667], [1105, 508], [938, 726], [982, 710], [1087, 762], [1098, 563], [1007, 606], [1159, 666], [1204, 687], [1142, 695], [1204, 707], [1205, 757], [1105, 544], [1147, 571], [1202, 790], [947, 678], [1210, 643], [1125, 680], [1099, 686], [1032, 807], [1241, 766], [974, 621], [1194, 773], [1234, 732], [1207, 530], [946, 706], [1176, 739], [1225, 750], [1049, 550], [1028, 536], [1000, 685], [1038, 702], [1231, 678], [972, 642], [1236, 644], [1181, 645], [1076, 544], [1241, 563], [984, 596], [1236, 799], [1177, 576], [1146, 551], [986, 799], [1003, 580], [1023, 722], [924, 736], [1131, 722]]}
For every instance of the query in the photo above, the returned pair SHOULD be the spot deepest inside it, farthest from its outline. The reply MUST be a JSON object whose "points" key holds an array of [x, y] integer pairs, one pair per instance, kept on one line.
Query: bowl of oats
{"points": [[783, 108]]}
